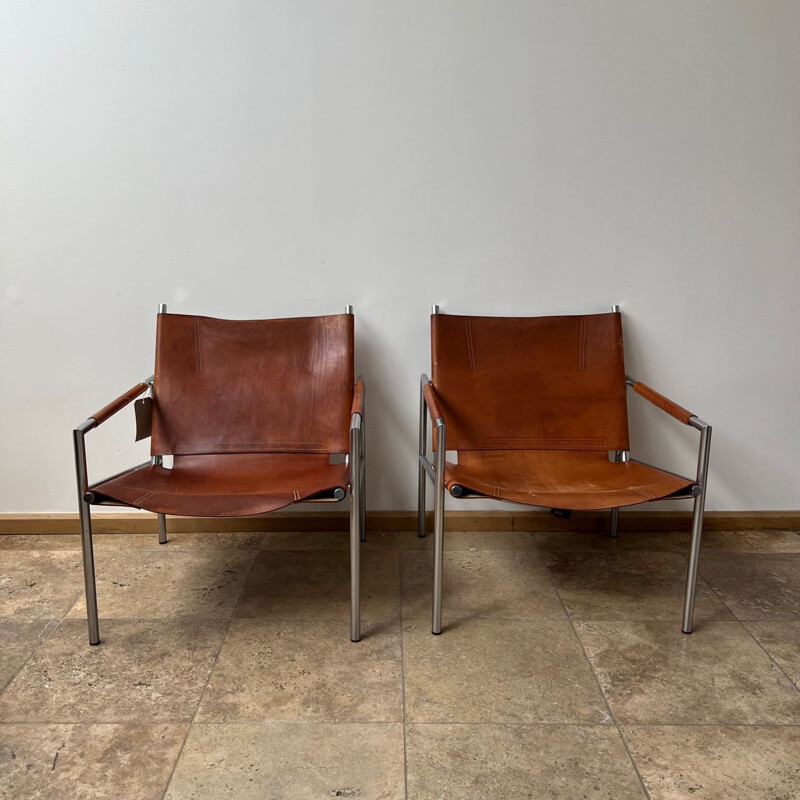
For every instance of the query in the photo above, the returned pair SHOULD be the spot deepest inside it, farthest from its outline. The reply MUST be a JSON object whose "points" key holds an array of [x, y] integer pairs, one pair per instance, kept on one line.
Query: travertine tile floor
{"points": [[225, 669]]}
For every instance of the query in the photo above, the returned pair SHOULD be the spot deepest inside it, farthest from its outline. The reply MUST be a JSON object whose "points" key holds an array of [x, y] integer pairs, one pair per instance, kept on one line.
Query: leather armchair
{"points": [[250, 411], [533, 407]]}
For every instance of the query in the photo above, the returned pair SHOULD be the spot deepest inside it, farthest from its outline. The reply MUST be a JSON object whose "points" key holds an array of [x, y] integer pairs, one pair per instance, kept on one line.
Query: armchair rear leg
{"points": [[162, 528], [421, 503], [362, 504], [423, 434], [612, 532]]}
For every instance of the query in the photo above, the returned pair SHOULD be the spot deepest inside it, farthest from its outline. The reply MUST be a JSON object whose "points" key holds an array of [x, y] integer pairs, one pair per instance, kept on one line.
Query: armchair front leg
{"points": [[438, 525], [703, 456], [84, 508], [356, 522], [429, 405], [704, 451], [84, 511]]}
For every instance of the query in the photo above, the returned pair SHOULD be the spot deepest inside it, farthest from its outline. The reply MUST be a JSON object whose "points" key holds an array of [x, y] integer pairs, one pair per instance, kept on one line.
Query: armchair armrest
{"points": [[431, 401], [117, 405], [358, 397], [664, 403]]}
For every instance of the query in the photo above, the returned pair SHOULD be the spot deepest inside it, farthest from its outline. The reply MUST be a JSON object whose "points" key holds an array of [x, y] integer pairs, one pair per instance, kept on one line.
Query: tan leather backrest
{"points": [[236, 386], [531, 383]]}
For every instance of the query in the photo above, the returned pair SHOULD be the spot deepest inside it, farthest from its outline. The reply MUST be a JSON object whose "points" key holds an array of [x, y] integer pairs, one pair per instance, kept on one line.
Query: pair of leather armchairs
{"points": [[251, 412]]}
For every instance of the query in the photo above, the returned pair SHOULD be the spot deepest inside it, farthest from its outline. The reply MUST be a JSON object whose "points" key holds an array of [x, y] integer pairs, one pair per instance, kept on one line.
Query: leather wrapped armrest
{"points": [[107, 411], [358, 397], [432, 402], [664, 403]]}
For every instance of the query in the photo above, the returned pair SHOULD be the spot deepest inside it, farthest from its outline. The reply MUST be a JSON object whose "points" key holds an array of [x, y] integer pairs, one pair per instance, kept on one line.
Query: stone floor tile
{"points": [[139, 584], [481, 584], [471, 540], [87, 762], [42, 584], [142, 671], [782, 641], [755, 586], [653, 674], [634, 585], [18, 639], [509, 762], [327, 540], [718, 763], [59, 541], [498, 671], [751, 541], [315, 584], [291, 762], [298, 670], [557, 547], [195, 541]]}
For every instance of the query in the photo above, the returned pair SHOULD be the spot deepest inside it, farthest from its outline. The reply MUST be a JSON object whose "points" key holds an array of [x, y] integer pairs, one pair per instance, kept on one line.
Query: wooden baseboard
{"points": [[142, 522]]}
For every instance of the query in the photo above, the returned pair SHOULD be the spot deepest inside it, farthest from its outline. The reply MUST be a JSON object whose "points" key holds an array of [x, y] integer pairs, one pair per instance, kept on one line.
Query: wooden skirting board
{"points": [[142, 522]]}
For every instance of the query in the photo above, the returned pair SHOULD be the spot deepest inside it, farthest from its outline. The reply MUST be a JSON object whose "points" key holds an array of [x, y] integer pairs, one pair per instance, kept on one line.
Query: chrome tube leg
{"points": [[423, 441], [438, 530], [619, 455], [362, 505], [355, 536], [697, 528], [84, 511], [88, 574], [162, 528]]}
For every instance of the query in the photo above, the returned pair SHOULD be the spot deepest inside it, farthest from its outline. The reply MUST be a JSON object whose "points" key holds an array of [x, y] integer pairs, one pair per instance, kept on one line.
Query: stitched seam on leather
{"points": [[198, 363], [224, 447], [470, 347], [582, 346]]}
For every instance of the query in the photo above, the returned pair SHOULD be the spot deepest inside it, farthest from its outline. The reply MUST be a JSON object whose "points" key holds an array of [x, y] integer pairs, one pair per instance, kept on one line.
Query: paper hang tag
{"points": [[143, 409]]}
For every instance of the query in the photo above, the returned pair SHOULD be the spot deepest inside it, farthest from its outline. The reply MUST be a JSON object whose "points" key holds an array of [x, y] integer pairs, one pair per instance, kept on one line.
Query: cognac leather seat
{"points": [[572, 479], [225, 485]]}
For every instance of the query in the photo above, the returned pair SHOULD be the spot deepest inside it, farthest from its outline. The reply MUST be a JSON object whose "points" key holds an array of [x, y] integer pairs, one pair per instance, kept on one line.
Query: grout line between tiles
{"points": [[403, 673], [53, 623], [743, 623], [50, 627], [766, 652], [600, 689], [208, 680], [385, 722]]}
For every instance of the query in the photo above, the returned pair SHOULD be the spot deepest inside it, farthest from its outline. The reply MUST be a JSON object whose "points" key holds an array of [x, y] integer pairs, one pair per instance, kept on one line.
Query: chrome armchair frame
{"points": [[356, 458], [434, 471]]}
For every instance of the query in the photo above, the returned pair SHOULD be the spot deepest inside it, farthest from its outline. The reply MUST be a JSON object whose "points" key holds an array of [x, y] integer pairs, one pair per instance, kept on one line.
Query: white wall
{"points": [[256, 159]]}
